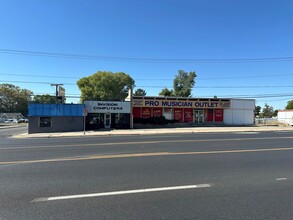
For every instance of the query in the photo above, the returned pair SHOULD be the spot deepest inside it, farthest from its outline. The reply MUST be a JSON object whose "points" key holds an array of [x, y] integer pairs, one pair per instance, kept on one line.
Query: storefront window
{"points": [[188, 116], [136, 112], [157, 112], [168, 113], [146, 112], [45, 122], [122, 120], [219, 115], [210, 115], [178, 113]]}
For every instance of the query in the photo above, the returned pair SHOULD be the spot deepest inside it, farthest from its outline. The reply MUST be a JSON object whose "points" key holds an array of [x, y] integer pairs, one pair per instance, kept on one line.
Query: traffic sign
{"points": [[85, 112]]}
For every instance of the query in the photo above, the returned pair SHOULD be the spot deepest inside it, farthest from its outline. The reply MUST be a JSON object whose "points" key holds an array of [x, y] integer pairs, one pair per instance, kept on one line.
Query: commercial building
{"points": [[76, 117], [195, 110], [107, 114], [45, 118], [285, 116], [94, 115]]}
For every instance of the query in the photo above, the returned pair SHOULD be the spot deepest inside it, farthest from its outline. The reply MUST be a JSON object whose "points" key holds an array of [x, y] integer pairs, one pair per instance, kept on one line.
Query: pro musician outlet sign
{"points": [[181, 104]]}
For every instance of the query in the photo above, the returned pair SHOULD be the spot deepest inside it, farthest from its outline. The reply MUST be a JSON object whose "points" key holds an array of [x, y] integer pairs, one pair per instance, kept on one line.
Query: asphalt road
{"points": [[9, 130], [215, 176]]}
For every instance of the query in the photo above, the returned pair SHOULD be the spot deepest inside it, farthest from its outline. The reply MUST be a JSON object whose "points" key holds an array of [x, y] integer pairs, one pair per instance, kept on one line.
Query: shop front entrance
{"points": [[198, 116], [107, 120]]}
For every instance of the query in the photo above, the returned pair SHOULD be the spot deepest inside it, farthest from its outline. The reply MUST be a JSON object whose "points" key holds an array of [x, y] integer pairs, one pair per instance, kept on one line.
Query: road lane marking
{"points": [[161, 136], [152, 154], [144, 142], [281, 179], [7, 165], [247, 132], [94, 157], [114, 193]]}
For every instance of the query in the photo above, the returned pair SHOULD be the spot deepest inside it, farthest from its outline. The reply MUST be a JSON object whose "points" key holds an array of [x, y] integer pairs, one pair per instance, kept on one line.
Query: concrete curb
{"points": [[156, 131]]}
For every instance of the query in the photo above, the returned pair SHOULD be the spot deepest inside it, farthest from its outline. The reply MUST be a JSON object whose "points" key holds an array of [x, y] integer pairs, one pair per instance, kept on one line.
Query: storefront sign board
{"points": [[180, 104], [107, 107]]}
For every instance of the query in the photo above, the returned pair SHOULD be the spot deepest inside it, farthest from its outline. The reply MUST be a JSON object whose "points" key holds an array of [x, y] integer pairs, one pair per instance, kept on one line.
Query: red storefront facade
{"points": [[183, 110]]}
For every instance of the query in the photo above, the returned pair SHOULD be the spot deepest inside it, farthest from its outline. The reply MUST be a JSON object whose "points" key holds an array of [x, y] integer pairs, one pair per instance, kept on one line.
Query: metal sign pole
{"points": [[131, 107], [84, 124], [85, 111]]}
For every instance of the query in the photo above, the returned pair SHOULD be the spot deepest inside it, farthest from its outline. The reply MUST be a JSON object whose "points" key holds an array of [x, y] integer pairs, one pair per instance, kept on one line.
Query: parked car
{"points": [[23, 120], [9, 120]]}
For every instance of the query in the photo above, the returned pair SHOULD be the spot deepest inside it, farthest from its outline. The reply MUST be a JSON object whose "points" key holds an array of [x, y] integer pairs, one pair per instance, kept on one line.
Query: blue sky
{"points": [[149, 29]]}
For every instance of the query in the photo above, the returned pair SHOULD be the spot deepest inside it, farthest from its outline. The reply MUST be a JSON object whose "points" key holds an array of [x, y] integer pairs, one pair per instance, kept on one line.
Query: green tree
{"points": [[267, 111], [166, 92], [47, 99], [105, 86], [14, 99], [183, 83], [140, 92], [289, 104], [275, 113], [257, 110]]}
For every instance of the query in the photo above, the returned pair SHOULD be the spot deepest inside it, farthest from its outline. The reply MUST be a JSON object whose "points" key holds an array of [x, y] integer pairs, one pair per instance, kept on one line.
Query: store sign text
{"points": [[181, 104], [107, 107]]}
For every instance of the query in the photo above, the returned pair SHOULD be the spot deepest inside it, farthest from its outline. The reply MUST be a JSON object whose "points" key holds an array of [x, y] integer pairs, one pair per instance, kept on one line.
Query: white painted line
{"points": [[121, 192], [246, 132], [283, 178], [7, 165], [161, 136]]}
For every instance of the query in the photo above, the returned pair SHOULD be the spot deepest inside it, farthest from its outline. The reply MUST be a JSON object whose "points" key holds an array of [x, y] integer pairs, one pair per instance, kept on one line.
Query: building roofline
{"points": [[187, 98]]}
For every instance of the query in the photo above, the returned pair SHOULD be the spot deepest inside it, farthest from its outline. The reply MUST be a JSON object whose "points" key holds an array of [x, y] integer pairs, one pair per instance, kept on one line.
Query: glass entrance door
{"points": [[198, 116], [107, 121]]}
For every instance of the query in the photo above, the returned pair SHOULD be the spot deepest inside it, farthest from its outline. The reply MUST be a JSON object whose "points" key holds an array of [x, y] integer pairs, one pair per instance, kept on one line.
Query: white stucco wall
{"points": [[240, 113], [285, 117]]}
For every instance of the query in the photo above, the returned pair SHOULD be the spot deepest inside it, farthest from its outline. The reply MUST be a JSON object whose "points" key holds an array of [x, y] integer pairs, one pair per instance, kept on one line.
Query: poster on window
{"points": [[178, 114], [157, 112], [188, 115], [219, 115], [146, 112]]}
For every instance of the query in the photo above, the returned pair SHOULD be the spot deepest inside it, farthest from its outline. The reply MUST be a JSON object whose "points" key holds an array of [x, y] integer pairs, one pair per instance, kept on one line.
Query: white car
{"points": [[24, 120]]}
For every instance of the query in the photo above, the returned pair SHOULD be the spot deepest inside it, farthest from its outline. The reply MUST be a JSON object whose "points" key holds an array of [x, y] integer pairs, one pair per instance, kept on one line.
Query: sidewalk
{"points": [[158, 131]]}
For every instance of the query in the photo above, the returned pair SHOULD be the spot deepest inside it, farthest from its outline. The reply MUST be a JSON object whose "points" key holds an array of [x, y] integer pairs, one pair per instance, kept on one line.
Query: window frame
{"points": [[41, 124]]}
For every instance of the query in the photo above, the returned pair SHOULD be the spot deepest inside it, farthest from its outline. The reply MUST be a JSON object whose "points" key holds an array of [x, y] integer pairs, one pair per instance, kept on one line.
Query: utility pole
{"points": [[57, 85]]}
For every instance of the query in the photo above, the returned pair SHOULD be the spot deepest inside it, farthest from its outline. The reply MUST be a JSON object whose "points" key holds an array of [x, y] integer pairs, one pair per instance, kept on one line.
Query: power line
{"points": [[142, 60], [221, 87], [53, 94], [239, 96], [230, 96], [164, 86], [30, 82], [244, 77], [225, 78], [42, 76], [153, 79]]}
